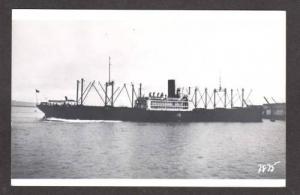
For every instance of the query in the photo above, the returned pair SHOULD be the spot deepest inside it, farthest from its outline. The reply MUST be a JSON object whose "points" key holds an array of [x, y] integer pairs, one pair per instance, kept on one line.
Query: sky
{"points": [[51, 49]]}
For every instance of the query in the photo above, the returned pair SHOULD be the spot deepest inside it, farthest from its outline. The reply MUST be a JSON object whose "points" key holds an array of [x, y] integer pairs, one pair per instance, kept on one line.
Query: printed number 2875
{"points": [[267, 168]]}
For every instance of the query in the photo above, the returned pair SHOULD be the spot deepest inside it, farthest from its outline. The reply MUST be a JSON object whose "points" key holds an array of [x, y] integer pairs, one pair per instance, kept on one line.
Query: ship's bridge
{"points": [[163, 103], [172, 102]]}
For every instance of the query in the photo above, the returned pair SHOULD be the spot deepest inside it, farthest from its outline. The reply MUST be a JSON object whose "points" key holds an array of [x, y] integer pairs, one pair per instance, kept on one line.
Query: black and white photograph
{"points": [[148, 98]]}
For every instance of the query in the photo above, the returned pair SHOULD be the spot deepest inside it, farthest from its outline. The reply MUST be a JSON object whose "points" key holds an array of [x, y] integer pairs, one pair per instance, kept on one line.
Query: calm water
{"points": [[55, 149]]}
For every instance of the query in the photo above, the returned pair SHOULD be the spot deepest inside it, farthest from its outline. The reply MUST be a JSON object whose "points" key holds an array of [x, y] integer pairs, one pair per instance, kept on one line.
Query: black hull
{"points": [[249, 114]]}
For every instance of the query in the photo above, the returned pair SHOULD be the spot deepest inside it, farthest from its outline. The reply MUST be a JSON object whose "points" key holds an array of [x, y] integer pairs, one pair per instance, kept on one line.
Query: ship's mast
{"points": [[77, 91], [109, 64], [205, 101], [220, 83], [242, 97], [81, 95], [109, 83]]}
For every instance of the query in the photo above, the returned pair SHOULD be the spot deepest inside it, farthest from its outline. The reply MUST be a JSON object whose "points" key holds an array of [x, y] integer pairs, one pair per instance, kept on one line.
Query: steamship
{"points": [[174, 107]]}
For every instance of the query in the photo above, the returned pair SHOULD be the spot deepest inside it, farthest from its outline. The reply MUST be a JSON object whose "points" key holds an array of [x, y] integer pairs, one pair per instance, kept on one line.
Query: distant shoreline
{"points": [[15, 103], [23, 106]]}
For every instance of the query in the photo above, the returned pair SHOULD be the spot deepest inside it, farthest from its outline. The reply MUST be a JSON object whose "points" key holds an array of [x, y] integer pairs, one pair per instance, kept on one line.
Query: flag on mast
{"points": [[36, 96]]}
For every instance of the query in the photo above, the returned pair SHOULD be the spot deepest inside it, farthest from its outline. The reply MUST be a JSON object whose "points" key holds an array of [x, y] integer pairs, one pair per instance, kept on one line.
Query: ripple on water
{"points": [[144, 150]]}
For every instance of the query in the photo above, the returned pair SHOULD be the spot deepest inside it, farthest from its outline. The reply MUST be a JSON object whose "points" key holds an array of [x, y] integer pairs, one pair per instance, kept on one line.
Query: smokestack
{"points": [[171, 88]]}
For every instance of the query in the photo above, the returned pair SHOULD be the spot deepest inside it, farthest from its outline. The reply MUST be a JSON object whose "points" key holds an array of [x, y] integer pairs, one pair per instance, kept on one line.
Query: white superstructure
{"points": [[163, 103]]}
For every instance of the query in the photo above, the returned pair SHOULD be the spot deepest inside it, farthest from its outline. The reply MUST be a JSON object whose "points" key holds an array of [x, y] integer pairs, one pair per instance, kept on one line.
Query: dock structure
{"points": [[274, 111]]}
